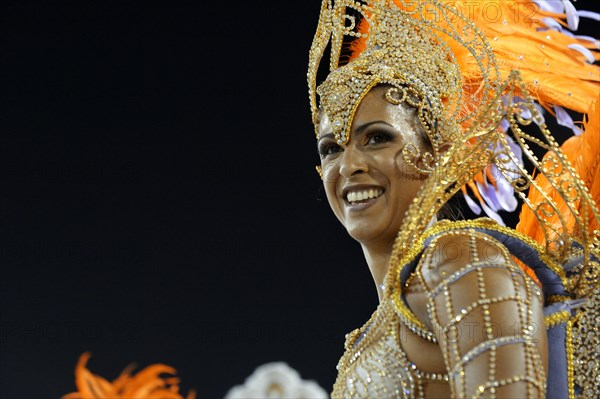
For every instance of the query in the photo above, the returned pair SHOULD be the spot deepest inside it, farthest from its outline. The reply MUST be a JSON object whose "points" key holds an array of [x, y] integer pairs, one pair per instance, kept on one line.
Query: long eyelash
{"points": [[386, 135], [323, 148]]}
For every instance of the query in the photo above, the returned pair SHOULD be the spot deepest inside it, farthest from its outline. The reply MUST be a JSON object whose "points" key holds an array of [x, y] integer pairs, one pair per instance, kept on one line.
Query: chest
{"points": [[387, 359]]}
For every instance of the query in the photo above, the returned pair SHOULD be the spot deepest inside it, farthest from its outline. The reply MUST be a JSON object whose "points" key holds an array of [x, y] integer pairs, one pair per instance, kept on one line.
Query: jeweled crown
{"points": [[407, 45]]}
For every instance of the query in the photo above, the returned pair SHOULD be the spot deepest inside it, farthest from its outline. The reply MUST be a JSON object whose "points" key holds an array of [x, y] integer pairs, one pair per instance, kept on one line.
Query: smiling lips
{"points": [[362, 195]]}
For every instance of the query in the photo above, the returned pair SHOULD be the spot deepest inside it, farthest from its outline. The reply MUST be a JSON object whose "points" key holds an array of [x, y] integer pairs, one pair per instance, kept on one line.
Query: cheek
{"points": [[333, 199], [388, 162], [402, 178], [397, 168], [331, 193], [330, 171]]}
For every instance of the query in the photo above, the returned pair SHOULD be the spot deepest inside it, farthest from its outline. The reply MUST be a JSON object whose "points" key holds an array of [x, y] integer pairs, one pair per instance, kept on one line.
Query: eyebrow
{"points": [[364, 126], [325, 136], [359, 130]]}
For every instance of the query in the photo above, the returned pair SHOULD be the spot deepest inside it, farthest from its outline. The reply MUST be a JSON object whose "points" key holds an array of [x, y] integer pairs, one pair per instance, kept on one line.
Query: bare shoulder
{"points": [[453, 253], [457, 252], [487, 314], [464, 270]]}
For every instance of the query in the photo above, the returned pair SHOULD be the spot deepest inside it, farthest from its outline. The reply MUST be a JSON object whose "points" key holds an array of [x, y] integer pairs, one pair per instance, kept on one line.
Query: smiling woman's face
{"points": [[368, 184]]}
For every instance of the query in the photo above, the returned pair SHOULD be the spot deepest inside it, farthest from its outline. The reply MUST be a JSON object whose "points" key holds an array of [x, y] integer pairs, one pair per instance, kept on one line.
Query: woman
{"points": [[369, 188], [420, 102]]}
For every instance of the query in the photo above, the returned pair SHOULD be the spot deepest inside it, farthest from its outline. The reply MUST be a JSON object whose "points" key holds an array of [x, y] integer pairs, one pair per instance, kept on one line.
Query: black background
{"points": [[159, 199]]}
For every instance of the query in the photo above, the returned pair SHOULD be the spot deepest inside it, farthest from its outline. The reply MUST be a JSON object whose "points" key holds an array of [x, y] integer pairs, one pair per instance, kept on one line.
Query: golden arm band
{"points": [[487, 315]]}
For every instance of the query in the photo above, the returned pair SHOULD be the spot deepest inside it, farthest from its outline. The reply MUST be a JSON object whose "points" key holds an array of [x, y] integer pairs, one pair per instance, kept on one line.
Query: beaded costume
{"points": [[480, 82]]}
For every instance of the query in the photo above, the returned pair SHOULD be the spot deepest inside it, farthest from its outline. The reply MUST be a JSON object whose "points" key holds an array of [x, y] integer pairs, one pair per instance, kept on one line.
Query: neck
{"points": [[377, 256]]}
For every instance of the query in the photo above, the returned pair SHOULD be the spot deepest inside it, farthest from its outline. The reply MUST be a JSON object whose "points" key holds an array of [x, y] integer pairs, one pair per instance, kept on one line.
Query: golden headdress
{"points": [[474, 70]]}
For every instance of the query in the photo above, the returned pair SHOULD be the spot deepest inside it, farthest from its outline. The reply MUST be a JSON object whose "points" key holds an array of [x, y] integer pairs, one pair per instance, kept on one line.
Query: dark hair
{"points": [[452, 209]]}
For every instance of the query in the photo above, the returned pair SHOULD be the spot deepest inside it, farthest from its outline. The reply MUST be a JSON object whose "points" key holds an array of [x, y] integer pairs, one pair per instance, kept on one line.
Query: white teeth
{"points": [[355, 196]]}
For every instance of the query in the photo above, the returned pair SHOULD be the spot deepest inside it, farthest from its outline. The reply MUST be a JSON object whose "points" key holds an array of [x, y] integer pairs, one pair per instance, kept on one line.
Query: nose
{"points": [[353, 161]]}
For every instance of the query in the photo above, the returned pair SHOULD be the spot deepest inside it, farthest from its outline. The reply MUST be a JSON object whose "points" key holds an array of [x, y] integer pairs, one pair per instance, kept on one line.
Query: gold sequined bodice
{"points": [[396, 355], [376, 366]]}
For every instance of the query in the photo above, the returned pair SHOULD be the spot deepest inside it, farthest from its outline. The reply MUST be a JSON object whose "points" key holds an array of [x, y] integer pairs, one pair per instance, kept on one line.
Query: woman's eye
{"points": [[379, 137], [328, 149]]}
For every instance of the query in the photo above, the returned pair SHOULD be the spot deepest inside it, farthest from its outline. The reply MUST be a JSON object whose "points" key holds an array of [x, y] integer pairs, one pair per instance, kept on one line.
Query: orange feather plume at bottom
{"points": [[146, 384]]}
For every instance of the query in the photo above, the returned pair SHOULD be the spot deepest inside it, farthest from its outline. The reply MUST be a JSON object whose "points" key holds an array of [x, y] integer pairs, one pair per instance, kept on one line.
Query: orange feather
{"points": [[146, 384], [553, 73], [583, 152]]}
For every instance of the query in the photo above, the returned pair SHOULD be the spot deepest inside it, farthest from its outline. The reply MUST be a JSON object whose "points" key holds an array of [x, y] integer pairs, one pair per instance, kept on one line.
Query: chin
{"points": [[363, 233]]}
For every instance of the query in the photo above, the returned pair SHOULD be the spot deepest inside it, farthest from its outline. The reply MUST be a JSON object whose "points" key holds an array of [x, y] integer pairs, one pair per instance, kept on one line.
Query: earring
{"points": [[319, 171]]}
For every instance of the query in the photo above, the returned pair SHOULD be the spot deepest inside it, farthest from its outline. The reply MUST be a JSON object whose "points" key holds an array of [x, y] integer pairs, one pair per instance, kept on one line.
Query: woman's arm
{"points": [[487, 315]]}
